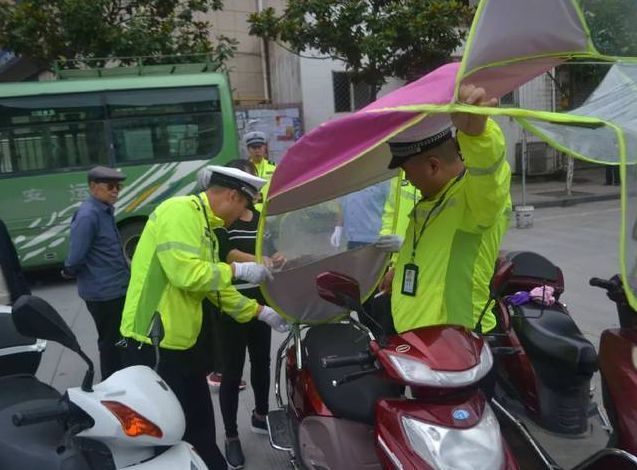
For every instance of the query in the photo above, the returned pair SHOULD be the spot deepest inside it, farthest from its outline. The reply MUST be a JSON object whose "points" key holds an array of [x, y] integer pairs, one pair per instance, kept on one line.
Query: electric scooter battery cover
{"points": [[510, 43], [18, 354]]}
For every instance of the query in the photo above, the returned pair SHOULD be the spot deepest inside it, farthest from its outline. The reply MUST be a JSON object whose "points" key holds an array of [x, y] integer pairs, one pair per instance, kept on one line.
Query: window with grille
{"points": [[349, 96], [510, 99]]}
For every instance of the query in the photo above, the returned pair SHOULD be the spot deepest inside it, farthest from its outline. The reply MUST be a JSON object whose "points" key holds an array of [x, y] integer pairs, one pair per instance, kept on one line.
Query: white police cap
{"points": [[233, 178], [255, 138], [422, 136]]}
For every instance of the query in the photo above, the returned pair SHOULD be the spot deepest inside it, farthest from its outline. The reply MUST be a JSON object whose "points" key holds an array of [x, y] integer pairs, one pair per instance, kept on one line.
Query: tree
{"points": [[375, 38], [83, 30], [612, 26]]}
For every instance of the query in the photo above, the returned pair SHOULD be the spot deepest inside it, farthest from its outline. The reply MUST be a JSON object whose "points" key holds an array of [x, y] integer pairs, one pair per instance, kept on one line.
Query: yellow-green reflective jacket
{"points": [[405, 195], [175, 266], [265, 170], [458, 249]]}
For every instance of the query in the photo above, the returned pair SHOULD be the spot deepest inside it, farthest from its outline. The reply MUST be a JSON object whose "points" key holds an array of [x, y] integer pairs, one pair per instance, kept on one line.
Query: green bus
{"points": [[159, 129]]}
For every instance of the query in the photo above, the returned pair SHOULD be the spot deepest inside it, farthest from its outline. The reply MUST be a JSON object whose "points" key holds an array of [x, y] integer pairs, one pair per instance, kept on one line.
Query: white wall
{"points": [[537, 95], [317, 90]]}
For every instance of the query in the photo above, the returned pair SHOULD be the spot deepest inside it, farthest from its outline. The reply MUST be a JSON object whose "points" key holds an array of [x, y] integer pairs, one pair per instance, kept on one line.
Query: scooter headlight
{"points": [[417, 372], [476, 448]]}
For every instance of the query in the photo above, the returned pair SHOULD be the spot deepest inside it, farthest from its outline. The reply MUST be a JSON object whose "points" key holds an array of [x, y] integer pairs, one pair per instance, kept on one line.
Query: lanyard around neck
{"points": [[437, 204]]}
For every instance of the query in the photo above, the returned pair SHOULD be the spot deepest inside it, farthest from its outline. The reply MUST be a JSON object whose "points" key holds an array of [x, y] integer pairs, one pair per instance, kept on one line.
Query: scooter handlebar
{"points": [[603, 283], [341, 361], [41, 415]]}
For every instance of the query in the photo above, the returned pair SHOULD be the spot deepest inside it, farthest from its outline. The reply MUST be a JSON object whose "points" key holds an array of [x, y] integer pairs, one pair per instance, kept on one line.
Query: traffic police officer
{"points": [[444, 267], [176, 264], [256, 142]]}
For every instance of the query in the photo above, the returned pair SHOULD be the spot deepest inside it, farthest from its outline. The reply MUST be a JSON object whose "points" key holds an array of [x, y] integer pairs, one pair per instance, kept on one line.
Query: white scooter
{"points": [[132, 419]]}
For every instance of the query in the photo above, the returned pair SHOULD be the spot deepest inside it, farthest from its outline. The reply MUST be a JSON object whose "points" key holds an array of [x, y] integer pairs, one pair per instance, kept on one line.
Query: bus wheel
{"points": [[130, 234]]}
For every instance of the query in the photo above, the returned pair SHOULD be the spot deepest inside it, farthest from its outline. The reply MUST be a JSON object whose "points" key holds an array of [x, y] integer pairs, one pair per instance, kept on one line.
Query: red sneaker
{"points": [[214, 381]]}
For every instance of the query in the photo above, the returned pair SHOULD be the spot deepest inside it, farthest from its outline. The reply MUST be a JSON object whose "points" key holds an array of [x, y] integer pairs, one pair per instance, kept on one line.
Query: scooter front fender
{"points": [[181, 455], [393, 444]]}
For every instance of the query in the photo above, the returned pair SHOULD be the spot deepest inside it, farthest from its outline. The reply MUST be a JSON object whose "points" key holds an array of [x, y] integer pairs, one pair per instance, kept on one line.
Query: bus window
{"points": [[50, 133], [168, 124]]}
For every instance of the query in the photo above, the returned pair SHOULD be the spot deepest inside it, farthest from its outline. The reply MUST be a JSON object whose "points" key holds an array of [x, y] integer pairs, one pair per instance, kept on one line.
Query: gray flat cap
{"points": [[103, 173]]}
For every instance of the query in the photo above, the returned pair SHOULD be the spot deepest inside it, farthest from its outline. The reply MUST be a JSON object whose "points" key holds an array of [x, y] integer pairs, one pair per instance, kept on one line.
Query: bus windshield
{"points": [[74, 131]]}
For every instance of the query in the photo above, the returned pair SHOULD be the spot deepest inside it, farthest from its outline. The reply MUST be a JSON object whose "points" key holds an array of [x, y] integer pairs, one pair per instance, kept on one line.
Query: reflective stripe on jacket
{"points": [[176, 264], [457, 252], [408, 195]]}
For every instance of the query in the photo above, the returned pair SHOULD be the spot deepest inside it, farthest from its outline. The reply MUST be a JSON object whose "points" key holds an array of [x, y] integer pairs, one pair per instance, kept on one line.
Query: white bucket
{"points": [[524, 216]]}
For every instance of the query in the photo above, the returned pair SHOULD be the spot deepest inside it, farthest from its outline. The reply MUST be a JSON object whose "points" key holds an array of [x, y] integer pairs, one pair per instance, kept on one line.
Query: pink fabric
{"points": [[543, 295], [335, 142], [498, 81]]}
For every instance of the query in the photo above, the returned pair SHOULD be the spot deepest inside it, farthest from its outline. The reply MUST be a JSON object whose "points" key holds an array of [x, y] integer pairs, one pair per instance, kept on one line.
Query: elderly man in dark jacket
{"points": [[97, 260]]}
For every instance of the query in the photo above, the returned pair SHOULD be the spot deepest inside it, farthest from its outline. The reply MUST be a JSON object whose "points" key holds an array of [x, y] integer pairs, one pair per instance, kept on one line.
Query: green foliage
{"points": [[81, 30], [612, 26], [375, 38]]}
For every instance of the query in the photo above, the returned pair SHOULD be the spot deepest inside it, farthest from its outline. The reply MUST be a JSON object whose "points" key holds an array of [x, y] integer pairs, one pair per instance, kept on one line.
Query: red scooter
{"points": [[408, 401], [544, 366], [618, 367], [547, 372]]}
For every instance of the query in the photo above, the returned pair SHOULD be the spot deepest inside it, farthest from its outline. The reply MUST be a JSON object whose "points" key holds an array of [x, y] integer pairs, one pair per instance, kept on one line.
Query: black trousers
{"points": [[185, 373], [210, 337], [235, 337], [107, 316]]}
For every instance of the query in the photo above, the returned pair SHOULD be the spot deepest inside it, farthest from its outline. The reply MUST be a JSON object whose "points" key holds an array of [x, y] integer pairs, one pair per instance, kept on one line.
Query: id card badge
{"points": [[410, 280]]}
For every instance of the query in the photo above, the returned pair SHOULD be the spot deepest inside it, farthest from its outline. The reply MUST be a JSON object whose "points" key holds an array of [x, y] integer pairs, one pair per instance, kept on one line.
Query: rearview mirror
{"points": [[34, 317], [339, 289]]}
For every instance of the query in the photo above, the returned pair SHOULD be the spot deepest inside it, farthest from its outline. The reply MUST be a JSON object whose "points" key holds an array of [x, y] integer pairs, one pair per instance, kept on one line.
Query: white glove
{"points": [[252, 272], [269, 316], [389, 243], [335, 239]]}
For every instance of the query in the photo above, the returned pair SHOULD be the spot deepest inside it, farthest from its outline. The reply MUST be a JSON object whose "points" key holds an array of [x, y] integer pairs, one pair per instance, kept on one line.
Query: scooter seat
{"points": [[550, 334], [355, 400], [22, 388]]}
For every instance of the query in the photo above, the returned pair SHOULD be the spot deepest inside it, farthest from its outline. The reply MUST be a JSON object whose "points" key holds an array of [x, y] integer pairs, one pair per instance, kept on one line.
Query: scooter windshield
{"points": [[336, 235]]}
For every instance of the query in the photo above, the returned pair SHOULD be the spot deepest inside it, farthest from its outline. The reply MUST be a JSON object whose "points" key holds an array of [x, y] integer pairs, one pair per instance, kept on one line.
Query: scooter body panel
{"points": [[180, 456], [131, 387], [619, 373], [303, 397], [516, 370], [333, 444], [444, 347]]}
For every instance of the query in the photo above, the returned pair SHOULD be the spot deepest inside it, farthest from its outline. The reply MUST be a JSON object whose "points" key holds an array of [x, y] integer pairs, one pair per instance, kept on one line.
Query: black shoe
{"points": [[234, 454], [260, 426]]}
